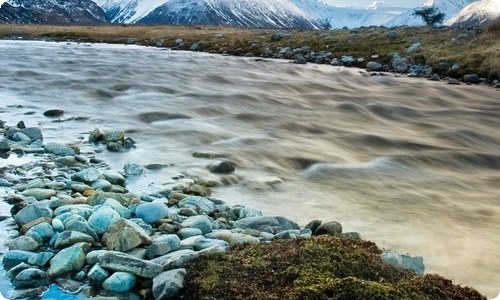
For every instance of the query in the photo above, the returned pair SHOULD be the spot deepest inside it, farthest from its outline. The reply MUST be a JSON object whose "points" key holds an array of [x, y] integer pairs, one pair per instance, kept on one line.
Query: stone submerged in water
{"points": [[167, 284], [54, 113], [222, 167], [133, 169]]}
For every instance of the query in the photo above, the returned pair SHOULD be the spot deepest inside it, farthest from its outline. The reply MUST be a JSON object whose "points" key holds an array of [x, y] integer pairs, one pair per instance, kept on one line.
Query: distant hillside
{"points": [[52, 12]]}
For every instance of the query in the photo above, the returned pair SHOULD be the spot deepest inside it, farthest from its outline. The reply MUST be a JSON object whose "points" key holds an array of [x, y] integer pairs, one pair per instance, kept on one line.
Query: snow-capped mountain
{"points": [[51, 12], [374, 15], [128, 11], [479, 13], [243, 13], [449, 7]]}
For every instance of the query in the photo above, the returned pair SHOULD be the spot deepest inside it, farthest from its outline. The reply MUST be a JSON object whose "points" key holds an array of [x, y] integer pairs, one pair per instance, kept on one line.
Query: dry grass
{"points": [[476, 52]]}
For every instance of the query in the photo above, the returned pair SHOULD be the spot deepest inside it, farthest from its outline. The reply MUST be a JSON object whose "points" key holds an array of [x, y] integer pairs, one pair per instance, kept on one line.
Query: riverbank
{"points": [[76, 224], [443, 52]]}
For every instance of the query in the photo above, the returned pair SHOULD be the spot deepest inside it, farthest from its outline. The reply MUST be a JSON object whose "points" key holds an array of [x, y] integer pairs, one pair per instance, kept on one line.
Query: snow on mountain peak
{"points": [[376, 5], [477, 13]]}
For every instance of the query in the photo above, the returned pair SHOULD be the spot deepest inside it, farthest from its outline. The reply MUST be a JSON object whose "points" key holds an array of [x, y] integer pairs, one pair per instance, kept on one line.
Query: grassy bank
{"points": [[476, 51]]}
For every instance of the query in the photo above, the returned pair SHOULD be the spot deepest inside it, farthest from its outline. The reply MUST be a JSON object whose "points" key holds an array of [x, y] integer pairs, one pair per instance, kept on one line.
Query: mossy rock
{"points": [[322, 268]]}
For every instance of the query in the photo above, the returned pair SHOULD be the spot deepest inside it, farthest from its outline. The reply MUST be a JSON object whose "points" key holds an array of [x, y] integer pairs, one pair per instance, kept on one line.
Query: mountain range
{"points": [[309, 14]]}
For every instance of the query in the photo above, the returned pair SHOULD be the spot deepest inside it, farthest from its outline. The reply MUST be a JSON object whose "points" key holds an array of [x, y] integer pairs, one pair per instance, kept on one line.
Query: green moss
{"points": [[323, 268]]}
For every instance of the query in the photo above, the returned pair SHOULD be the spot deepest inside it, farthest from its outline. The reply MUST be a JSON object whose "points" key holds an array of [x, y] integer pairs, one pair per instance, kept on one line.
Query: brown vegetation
{"points": [[476, 51], [322, 268]]}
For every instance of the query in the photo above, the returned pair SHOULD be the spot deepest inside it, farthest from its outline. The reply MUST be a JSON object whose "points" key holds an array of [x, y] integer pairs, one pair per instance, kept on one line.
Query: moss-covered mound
{"points": [[319, 268]]}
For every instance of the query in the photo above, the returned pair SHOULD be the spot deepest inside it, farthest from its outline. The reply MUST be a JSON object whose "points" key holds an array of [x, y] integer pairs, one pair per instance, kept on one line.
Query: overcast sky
{"points": [[397, 3]]}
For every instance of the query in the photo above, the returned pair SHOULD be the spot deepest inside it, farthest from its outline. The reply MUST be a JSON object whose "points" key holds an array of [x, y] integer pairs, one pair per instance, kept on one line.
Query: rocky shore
{"points": [[455, 56], [74, 223]]}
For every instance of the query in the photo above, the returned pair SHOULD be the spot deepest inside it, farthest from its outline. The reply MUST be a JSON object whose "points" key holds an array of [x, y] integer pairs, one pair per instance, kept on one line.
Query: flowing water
{"points": [[413, 165]]}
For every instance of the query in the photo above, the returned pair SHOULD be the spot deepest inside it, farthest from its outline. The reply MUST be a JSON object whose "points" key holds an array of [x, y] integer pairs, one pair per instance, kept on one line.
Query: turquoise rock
{"points": [[120, 282], [102, 218], [201, 222], [69, 260], [152, 212]]}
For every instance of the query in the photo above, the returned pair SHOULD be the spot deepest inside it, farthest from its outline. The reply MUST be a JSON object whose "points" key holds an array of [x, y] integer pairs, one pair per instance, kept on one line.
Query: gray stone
{"points": [[95, 136], [87, 175], [415, 264], [222, 167], [21, 138], [4, 145], [184, 233], [124, 235], [299, 59], [97, 275], [400, 64], [163, 245], [80, 225], [120, 209], [133, 169], [248, 212], [453, 81], [69, 238], [68, 260], [12, 273], [190, 242], [24, 243], [69, 286], [114, 136], [42, 232], [5, 183], [201, 204], [209, 243], [82, 210], [32, 212], [54, 113], [258, 223], [41, 259], [114, 177], [152, 212], [58, 149], [435, 77], [233, 238], [201, 222], [416, 47], [374, 66], [98, 198], [39, 194], [175, 259], [168, 284], [30, 278], [34, 133], [57, 225], [14, 257], [471, 78], [120, 282], [122, 262], [330, 228], [288, 234], [102, 218], [29, 293], [102, 184]]}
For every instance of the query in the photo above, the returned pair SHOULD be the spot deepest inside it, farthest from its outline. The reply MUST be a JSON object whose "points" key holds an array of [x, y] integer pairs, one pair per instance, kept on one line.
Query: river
{"points": [[411, 164]]}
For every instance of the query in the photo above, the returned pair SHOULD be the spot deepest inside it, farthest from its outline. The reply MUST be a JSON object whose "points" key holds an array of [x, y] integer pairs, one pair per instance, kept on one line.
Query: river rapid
{"points": [[411, 164]]}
